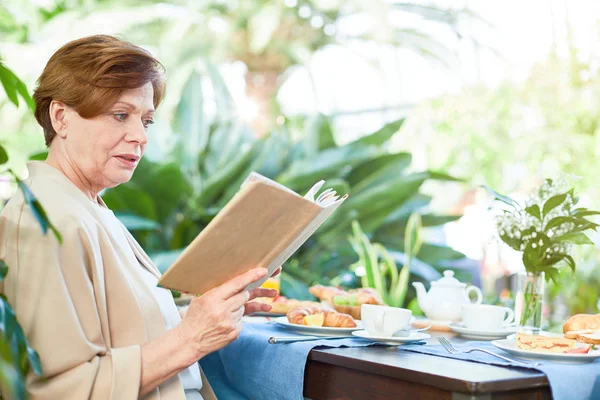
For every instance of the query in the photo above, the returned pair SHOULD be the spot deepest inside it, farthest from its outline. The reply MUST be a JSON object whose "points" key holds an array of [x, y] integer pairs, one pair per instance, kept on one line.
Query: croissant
{"points": [[333, 319], [325, 293]]}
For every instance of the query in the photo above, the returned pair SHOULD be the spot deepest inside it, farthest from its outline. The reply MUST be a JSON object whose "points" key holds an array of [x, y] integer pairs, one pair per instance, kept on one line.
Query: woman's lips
{"points": [[128, 161]]}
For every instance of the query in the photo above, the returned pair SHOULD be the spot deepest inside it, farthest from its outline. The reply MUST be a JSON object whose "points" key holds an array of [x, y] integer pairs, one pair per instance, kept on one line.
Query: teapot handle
{"points": [[477, 292]]}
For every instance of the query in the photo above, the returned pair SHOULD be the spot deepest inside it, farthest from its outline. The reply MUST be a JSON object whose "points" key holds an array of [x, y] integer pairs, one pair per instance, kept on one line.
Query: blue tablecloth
{"points": [[567, 381], [251, 368]]}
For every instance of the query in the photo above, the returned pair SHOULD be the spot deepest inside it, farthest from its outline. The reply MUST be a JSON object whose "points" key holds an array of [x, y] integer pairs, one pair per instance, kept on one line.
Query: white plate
{"points": [[316, 330], [510, 346], [415, 337], [482, 334]]}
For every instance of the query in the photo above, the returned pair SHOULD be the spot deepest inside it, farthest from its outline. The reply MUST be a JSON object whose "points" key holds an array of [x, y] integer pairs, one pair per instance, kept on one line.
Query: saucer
{"points": [[415, 337], [483, 334]]}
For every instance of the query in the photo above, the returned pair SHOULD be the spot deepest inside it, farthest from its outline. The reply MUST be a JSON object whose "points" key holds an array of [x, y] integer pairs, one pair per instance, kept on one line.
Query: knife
{"points": [[291, 339]]}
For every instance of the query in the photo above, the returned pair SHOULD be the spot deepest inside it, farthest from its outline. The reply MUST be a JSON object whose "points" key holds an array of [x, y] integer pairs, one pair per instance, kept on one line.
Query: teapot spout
{"points": [[421, 296]]}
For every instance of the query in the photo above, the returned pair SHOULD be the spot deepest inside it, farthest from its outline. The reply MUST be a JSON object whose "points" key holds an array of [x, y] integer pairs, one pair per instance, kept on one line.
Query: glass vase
{"points": [[529, 301]]}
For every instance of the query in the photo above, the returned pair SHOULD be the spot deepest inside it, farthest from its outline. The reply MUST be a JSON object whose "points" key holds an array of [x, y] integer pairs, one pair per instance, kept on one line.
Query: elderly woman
{"points": [[91, 306]]}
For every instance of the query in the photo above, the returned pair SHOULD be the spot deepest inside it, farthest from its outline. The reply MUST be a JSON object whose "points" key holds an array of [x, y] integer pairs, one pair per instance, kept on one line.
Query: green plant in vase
{"points": [[545, 230]]}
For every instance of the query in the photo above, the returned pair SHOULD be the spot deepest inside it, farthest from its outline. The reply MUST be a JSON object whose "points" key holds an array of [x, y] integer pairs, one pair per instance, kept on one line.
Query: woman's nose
{"points": [[137, 133]]}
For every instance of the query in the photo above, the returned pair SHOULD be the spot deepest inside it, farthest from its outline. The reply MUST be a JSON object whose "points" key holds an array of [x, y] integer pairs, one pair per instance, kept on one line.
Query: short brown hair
{"points": [[90, 74]]}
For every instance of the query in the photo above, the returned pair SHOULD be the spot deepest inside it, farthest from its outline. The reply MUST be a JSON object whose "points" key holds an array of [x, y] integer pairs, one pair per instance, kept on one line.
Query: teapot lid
{"points": [[448, 280]]}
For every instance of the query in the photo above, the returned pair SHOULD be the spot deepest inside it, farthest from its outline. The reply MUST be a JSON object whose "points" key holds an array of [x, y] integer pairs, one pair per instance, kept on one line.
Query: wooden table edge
{"points": [[538, 380]]}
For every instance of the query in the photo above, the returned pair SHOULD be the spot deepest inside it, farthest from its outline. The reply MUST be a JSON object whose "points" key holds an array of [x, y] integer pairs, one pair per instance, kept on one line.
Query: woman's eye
{"points": [[148, 122], [120, 116]]}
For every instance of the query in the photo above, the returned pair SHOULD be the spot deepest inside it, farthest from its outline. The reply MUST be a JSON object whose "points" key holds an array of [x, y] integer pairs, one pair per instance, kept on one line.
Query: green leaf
{"points": [[36, 209], [131, 199], [500, 197], [534, 210], [334, 162], [190, 124], [412, 238], [13, 87], [434, 253], [569, 260], [397, 219], [135, 223], [553, 202], [382, 135], [12, 383], [374, 171], [3, 270], [7, 78], [319, 135], [584, 213], [557, 221], [220, 180], [41, 156], [440, 176], [534, 254], [368, 256], [399, 225], [372, 207], [573, 237], [3, 155], [167, 187], [294, 288]]}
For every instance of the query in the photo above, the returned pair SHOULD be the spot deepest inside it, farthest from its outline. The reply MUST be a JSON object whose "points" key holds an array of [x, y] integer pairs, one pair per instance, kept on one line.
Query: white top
{"points": [[190, 377]]}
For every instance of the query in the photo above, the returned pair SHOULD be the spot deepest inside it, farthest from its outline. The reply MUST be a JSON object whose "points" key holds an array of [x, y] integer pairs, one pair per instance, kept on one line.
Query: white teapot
{"points": [[445, 298]]}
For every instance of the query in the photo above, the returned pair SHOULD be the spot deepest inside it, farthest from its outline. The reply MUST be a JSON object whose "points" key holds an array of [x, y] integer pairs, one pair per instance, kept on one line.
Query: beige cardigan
{"points": [[82, 305]]}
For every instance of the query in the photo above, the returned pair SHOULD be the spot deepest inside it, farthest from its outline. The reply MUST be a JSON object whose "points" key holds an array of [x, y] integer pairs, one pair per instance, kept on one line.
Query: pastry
{"points": [[325, 293], [581, 326], [545, 344], [332, 319], [346, 302], [281, 304]]}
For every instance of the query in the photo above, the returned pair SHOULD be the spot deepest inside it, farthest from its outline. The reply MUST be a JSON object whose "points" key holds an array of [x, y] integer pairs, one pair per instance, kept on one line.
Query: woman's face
{"points": [[106, 149]]}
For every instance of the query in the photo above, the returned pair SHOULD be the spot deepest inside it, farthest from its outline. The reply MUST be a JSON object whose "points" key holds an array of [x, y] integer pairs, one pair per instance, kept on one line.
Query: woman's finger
{"points": [[262, 292], [254, 306], [237, 301], [237, 284], [239, 313]]}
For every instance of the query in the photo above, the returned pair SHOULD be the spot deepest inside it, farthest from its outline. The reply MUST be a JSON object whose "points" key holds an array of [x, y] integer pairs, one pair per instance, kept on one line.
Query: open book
{"points": [[261, 226]]}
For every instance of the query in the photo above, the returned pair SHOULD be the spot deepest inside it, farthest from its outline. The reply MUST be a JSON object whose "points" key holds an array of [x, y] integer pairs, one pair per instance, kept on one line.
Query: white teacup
{"points": [[486, 317], [384, 320]]}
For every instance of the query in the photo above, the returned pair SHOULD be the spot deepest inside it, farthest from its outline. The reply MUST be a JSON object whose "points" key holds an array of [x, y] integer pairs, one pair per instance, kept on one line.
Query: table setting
{"points": [[269, 358]]}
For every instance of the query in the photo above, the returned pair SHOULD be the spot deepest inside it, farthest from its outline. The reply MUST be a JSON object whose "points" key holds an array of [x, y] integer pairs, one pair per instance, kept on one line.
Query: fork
{"points": [[453, 350]]}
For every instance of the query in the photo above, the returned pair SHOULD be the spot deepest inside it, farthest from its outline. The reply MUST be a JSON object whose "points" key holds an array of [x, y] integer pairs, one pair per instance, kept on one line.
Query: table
{"points": [[388, 373]]}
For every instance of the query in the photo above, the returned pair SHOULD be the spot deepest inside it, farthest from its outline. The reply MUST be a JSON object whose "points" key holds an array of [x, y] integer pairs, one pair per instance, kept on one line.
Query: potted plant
{"points": [[545, 230]]}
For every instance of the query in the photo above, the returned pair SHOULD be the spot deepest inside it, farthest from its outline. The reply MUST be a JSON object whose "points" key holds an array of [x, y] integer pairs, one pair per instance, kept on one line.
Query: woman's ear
{"points": [[58, 116]]}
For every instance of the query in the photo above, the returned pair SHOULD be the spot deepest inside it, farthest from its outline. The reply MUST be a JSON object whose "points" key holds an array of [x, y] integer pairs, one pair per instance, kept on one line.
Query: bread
{"points": [[581, 322], [281, 304], [326, 293], [333, 319], [589, 338], [346, 302], [544, 344]]}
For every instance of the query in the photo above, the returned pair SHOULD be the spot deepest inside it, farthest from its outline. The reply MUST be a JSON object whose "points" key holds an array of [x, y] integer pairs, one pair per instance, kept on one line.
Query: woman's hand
{"points": [[214, 319], [254, 306]]}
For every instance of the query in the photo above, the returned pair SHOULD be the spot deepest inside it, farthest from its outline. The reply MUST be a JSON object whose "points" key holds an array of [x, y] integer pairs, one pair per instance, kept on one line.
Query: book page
{"points": [[262, 225], [300, 239]]}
